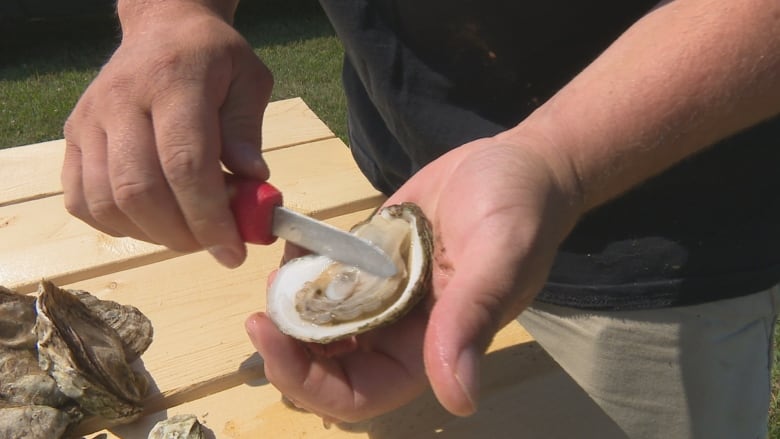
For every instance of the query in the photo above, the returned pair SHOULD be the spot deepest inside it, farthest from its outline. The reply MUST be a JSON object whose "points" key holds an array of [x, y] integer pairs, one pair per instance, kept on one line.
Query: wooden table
{"points": [[201, 361]]}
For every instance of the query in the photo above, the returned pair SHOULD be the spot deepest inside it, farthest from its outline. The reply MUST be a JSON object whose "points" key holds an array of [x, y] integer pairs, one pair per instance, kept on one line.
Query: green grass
{"points": [[44, 67]]}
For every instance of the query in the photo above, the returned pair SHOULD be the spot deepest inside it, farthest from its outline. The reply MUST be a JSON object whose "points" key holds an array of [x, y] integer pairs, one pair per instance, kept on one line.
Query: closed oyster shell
{"points": [[131, 325], [64, 354], [184, 426], [17, 320], [86, 356], [32, 422], [23, 381]]}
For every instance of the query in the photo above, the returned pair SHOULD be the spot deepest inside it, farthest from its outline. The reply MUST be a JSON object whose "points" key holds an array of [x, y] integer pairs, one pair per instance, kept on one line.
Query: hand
{"points": [[499, 211], [144, 142]]}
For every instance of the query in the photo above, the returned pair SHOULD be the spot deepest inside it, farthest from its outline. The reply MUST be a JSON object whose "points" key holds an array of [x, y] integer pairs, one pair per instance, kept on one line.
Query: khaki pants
{"points": [[699, 371]]}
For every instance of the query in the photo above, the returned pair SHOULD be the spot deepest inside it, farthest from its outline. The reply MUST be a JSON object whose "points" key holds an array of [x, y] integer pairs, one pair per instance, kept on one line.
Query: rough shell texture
{"points": [[51, 371], [297, 275], [17, 327], [178, 427], [86, 356], [32, 421]]}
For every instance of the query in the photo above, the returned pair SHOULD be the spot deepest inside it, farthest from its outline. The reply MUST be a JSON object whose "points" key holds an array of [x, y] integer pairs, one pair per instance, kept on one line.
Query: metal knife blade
{"points": [[327, 240]]}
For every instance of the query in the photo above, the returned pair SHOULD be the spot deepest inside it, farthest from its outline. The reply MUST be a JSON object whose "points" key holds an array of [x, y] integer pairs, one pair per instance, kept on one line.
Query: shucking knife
{"points": [[261, 218]]}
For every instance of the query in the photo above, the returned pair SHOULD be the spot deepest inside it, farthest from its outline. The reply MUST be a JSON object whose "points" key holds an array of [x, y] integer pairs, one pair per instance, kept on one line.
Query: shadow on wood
{"points": [[525, 394]]}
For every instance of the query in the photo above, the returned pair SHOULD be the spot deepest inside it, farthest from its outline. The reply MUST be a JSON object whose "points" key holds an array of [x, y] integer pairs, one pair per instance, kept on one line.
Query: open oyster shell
{"points": [[316, 299]]}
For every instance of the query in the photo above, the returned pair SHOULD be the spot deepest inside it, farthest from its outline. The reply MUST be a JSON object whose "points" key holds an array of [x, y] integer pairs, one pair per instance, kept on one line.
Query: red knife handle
{"points": [[253, 204]]}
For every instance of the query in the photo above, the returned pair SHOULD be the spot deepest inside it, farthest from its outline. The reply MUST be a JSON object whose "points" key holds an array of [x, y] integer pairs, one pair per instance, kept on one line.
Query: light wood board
{"points": [[33, 171], [38, 239], [201, 361]]}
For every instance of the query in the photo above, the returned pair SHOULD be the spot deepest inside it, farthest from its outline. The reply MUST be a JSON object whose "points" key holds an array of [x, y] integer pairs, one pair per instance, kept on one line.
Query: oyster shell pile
{"points": [[64, 355], [316, 299]]}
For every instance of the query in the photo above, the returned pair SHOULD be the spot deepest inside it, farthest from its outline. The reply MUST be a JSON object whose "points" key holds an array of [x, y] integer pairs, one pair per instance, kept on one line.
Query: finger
{"points": [[102, 210], [72, 183], [463, 321], [358, 385], [139, 186], [285, 359], [189, 148], [270, 279], [292, 251], [333, 349], [241, 120]]}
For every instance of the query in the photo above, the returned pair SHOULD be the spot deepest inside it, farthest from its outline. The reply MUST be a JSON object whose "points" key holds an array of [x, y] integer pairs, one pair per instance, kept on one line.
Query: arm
{"points": [[685, 75], [145, 141], [689, 73]]}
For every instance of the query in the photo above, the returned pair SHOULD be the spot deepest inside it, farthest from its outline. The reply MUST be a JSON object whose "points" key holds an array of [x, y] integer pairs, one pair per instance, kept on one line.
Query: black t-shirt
{"points": [[424, 77]]}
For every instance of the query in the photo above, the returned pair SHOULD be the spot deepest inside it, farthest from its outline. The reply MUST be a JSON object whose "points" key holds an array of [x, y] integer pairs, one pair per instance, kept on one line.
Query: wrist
{"points": [[136, 14], [567, 191]]}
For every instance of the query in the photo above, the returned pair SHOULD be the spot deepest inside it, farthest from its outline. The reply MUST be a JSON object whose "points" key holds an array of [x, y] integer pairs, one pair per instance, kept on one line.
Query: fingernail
{"points": [[250, 325], [467, 376], [226, 256]]}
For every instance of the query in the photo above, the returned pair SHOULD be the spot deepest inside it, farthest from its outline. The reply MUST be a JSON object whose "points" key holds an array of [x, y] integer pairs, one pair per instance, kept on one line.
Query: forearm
{"points": [[686, 75], [132, 12]]}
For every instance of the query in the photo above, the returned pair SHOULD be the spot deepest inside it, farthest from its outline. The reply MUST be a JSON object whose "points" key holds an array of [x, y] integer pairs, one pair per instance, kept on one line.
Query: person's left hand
{"points": [[499, 208]]}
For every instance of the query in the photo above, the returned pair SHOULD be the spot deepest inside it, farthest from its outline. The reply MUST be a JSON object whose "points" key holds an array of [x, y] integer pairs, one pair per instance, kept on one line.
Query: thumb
{"points": [[241, 119], [462, 323]]}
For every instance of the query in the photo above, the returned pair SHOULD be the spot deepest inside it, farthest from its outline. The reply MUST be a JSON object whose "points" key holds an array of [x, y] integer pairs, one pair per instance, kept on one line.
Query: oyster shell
{"points": [[64, 355], [316, 299], [86, 356], [32, 421], [17, 325], [178, 427]]}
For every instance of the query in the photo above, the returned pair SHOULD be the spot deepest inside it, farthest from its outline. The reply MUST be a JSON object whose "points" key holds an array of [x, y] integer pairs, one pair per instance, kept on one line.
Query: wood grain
{"points": [[38, 239], [33, 171], [201, 361]]}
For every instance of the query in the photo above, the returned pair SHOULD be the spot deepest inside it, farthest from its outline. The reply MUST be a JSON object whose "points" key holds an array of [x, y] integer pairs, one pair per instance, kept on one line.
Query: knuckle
{"points": [[119, 84], [172, 71], [165, 67], [180, 164], [75, 206], [69, 128], [104, 211], [131, 196]]}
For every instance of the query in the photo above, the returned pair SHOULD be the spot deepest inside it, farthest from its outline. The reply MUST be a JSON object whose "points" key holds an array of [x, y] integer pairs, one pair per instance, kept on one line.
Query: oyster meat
{"points": [[314, 298], [64, 355]]}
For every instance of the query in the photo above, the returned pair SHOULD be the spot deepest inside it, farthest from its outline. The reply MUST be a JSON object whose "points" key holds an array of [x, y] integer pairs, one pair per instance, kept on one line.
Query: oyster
{"points": [[86, 357], [178, 427], [314, 298], [32, 421], [64, 355]]}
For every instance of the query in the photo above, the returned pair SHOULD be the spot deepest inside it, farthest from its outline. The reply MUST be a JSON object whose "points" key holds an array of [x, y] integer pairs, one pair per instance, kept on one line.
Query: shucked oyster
{"points": [[316, 299]]}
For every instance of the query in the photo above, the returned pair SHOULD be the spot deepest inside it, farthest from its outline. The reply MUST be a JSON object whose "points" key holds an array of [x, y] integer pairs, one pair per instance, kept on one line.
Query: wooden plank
{"points": [[198, 309], [33, 171], [30, 171], [253, 406], [202, 362], [524, 394], [321, 179], [38, 239]]}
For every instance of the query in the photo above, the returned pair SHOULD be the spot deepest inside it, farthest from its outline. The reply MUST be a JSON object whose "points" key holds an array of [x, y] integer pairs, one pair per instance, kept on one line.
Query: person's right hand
{"points": [[182, 93]]}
